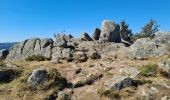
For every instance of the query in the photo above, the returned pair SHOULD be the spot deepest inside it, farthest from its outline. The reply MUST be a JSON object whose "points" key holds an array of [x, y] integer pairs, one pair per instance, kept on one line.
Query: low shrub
{"points": [[109, 93], [36, 58], [149, 70]]}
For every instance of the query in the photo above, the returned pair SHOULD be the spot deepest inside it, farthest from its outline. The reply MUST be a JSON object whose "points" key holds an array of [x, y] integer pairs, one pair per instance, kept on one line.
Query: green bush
{"points": [[149, 70], [149, 29], [36, 58], [55, 79]]}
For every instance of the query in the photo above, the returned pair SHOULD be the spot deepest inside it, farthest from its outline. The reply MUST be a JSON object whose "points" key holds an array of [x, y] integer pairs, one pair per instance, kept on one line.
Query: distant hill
{"points": [[7, 45]]}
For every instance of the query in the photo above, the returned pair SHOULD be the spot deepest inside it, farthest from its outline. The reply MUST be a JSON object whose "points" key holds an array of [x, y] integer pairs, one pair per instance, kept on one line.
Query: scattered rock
{"points": [[3, 54], [93, 54], [87, 81], [165, 98], [126, 71], [120, 82], [165, 66], [96, 34], [110, 32], [86, 37], [37, 77], [147, 93]]}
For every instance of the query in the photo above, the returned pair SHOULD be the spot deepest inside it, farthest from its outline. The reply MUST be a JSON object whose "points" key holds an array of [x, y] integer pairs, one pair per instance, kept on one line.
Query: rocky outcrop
{"points": [[96, 34], [145, 48], [3, 54], [85, 37], [34, 46], [110, 32]]}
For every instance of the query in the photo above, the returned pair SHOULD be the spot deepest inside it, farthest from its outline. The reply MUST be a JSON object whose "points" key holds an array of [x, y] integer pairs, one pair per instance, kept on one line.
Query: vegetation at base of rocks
{"points": [[149, 70], [36, 58], [149, 29], [54, 83], [9, 74], [125, 32], [90, 80], [2, 64], [116, 94], [54, 79]]}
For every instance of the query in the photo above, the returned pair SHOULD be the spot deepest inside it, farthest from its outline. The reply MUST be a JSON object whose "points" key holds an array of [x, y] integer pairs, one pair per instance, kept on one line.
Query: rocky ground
{"points": [[103, 67]]}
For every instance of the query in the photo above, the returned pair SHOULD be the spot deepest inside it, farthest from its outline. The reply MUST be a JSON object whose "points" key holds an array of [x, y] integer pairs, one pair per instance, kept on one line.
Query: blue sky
{"points": [[22, 19]]}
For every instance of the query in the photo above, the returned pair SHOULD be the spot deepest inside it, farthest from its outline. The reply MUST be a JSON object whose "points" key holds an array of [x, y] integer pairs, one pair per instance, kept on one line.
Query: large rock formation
{"points": [[147, 48], [27, 48], [110, 32], [3, 54]]}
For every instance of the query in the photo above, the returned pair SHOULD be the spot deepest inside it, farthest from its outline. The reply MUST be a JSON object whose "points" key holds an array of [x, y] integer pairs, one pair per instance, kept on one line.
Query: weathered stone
{"points": [[30, 47], [165, 66], [86, 37], [37, 77], [126, 71], [62, 53], [145, 48], [79, 56], [67, 54], [96, 34], [56, 53], [120, 82], [93, 54], [110, 32], [3, 54]]}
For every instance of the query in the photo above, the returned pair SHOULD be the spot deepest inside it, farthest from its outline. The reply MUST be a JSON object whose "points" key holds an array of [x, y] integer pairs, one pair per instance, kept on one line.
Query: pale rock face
{"points": [[165, 66], [145, 48], [120, 82], [110, 32], [37, 77], [34, 46]]}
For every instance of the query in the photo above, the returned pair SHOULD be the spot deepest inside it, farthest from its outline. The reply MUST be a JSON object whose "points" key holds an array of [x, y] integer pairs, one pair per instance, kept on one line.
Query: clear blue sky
{"points": [[22, 19]]}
